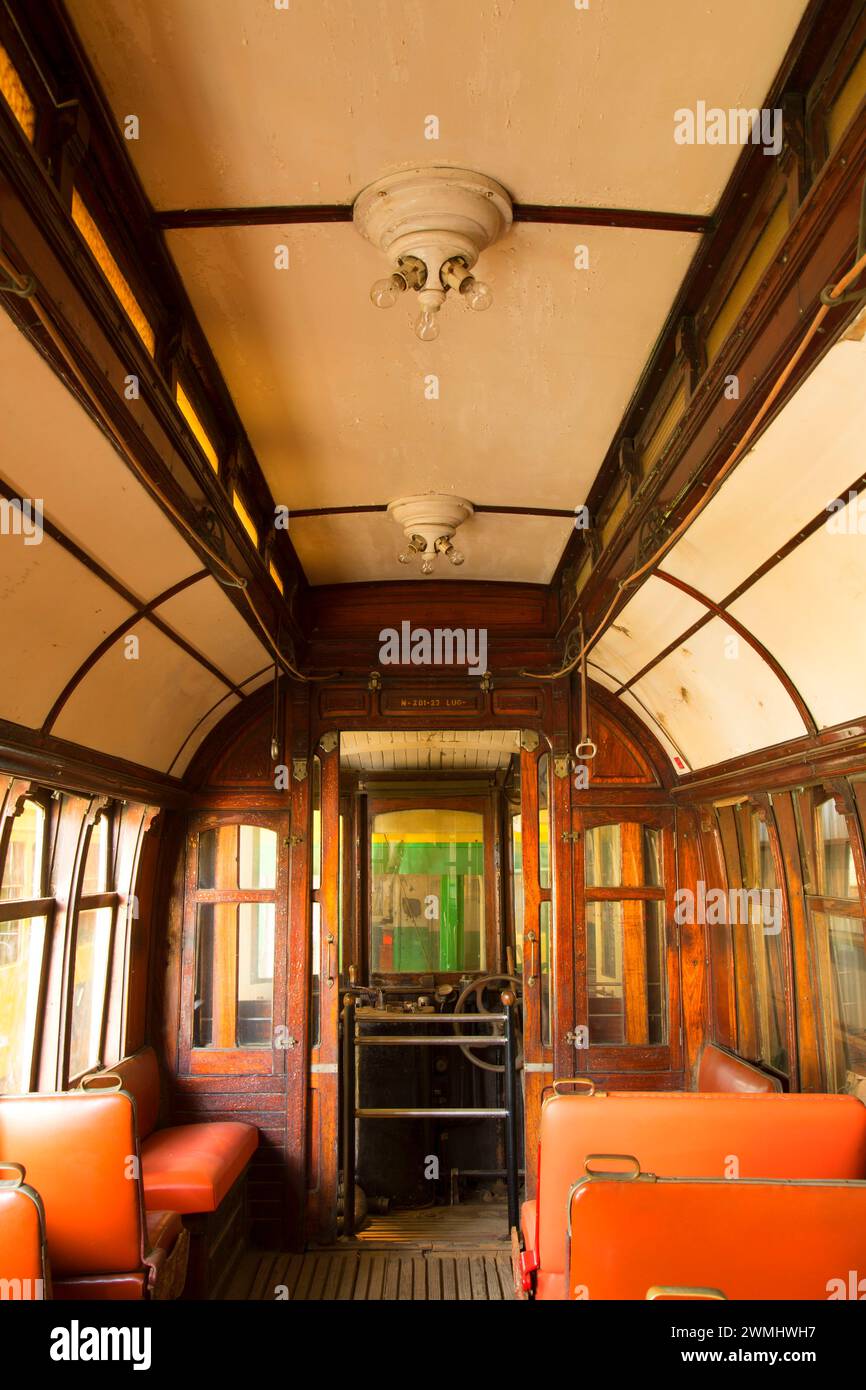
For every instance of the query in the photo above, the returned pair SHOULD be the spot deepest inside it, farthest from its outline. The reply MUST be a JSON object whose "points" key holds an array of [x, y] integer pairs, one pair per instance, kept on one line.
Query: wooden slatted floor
{"points": [[426, 1255], [416, 1275]]}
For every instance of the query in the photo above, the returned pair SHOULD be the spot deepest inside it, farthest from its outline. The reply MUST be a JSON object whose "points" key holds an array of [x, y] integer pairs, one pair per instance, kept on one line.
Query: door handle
{"points": [[330, 941], [532, 959]]}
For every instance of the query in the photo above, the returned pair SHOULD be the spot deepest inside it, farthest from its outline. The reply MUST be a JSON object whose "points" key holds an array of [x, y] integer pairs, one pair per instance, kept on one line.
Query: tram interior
{"points": [[432, 743]]}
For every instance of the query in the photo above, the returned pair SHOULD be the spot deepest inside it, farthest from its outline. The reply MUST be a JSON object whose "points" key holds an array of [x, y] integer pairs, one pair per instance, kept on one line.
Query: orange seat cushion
{"points": [[722, 1071], [140, 1076], [163, 1229], [802, 1241], [688, 1134], [22, 1241], [76, 1148], [529, 1223], [190, 1168]]}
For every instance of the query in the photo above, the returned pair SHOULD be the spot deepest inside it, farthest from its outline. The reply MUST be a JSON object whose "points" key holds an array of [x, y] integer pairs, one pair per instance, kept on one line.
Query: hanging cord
{"points": [[26, 289], [586, 749], [830, 298]]}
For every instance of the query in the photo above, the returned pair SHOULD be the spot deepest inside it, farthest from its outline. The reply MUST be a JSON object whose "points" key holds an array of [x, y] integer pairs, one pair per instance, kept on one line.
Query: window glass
{"points": [[92, 943], [603, 856], [22, 874], [95, 878], [21, 944], [544, 821], [517, 887], [837, 876], [756, 913], [626, 975], [255, 975], [546, 980], [257, 859], [316, 794], [841, 960], [205, 962], [427, 899]]}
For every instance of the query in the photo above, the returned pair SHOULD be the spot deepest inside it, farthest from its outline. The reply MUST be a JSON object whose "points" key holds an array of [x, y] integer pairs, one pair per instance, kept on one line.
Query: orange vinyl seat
{"points": [[690, 1237], [719, 1070], [185, 1168], [684, 1134], [24, 1272], [81, 1151]]}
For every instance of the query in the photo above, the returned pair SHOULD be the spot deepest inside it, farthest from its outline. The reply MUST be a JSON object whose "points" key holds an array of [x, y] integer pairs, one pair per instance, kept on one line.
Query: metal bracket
{"points": [[329, 741], [561, 766], [528, 740], [299, 769]]}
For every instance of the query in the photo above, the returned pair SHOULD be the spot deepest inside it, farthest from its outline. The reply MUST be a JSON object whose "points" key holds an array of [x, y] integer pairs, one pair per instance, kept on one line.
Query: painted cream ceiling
{"points": [[711, 698], [398, 750], [242, 104], [56, 610]]}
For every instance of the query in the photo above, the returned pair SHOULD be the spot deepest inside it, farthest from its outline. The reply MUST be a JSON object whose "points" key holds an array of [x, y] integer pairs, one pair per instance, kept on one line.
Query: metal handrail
{"points": [[351, 1016]]}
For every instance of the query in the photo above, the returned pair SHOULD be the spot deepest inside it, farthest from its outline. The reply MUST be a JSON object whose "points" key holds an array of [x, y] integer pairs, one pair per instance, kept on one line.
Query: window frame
{"points": [[105, 810], [18, 793], [209, 1061]]}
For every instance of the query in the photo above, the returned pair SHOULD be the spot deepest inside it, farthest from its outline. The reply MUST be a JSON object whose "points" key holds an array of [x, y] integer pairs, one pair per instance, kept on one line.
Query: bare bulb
{"points": [[385, 293], [405, 557], [427, 327], [476, 294], [456, 556], [427, 566]]}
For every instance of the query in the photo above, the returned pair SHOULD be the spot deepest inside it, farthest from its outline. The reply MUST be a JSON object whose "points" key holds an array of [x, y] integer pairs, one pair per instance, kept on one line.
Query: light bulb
{"points": [[385, 293], [427, 565], [427, 329], [405, 557], [456, 556], [475, 294]]}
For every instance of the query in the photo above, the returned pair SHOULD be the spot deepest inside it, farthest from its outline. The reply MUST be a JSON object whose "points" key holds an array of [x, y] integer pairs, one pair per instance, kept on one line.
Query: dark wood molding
{"points": [[838, 751], [57, 763], [174, 219]]}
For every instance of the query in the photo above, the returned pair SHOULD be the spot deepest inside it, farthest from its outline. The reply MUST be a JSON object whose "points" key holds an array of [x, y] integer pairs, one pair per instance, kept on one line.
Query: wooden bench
{"points": [[24, 1271], [681, 1134], [80, 1151], [198, 1170], [655, 1237]]}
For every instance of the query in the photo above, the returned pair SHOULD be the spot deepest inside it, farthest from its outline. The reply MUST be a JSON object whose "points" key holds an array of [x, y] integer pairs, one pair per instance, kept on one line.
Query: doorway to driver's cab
{"points": [[420, 877]]}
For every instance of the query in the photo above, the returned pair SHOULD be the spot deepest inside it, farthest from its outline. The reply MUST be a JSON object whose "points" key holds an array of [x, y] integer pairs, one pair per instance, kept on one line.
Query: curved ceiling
{"points": [[91, 666], [753, 632]]}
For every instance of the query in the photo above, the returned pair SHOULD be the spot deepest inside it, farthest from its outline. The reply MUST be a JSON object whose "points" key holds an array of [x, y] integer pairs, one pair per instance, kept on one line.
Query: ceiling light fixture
{"points": [[432, 224], [429, 520]]}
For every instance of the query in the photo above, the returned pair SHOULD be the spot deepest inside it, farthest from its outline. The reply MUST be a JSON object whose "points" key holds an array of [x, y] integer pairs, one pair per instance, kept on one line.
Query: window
{"points": [[16, 96], [626, 957], [111, 270], [235, 911], [758, 928], [24, 913], [545, 906], [427, 901], [837, 930], [95, 916], [200, 434], [246, 520]]}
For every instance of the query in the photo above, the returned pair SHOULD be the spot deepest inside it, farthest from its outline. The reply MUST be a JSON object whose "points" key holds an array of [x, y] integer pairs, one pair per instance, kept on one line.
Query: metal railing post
{"points": [[349, 1061], [511, 1141]]}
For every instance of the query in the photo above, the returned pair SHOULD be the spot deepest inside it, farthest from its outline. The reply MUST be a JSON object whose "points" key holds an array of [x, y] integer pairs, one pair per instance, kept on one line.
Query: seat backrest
{"points": [[140, 1076], [81, 1154], [23, 1262], [722, 1071], [687, 1134], [745, 1239]]}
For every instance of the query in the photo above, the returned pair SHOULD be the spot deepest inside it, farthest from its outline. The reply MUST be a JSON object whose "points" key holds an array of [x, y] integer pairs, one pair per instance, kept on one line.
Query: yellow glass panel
{"points": [[187, 410], [112, 272], [845, 106], [276, 576], [22, 875], [15, 96], [665, 428], [246, 520], [747, 280]]}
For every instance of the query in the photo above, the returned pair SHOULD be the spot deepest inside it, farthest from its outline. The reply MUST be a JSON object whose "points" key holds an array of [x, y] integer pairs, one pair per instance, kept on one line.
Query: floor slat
{"points": [[419, 1275]]}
